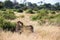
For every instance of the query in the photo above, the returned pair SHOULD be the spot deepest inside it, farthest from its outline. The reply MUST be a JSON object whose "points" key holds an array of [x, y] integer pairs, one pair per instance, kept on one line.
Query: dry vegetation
{"points": [[40, 32], [43, 33]]}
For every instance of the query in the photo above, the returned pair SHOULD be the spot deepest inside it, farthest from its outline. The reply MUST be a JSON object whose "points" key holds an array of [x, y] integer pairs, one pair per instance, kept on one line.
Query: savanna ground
{"points": [[45, 32]]}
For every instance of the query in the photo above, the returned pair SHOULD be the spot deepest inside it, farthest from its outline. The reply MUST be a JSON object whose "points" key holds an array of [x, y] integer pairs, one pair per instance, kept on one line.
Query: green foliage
{"points": [[4, 9], [17, 6], [30, 11], [34, 17], [43, 16], [35, 9], [20, 10], [8, 26], [5, 24], [55, 20], [8, 4], [57, 6], [8, 14], [57, 17], [40, 15], [1, 21], [1, 5], [53, 12], [43, 11]]}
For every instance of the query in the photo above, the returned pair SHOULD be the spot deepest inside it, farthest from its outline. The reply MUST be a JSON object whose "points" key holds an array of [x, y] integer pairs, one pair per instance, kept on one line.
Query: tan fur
{"points": [[20, 27]]}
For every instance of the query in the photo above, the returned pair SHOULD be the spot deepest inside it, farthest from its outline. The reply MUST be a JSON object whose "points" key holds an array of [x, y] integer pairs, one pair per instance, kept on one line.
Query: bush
{"points": [[9, 15], [35, 17], [40, 15], [1, 21], [35, 9], [4, 9], [8, 26], [43, 16], [53, 12], [57, 17], [43, 12], [30, 11], [20, 10], [14, 10], [5, 24]]}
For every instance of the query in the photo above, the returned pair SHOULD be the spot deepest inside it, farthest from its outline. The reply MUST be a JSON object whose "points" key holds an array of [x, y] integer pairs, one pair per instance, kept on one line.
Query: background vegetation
{"points": [[44, 12]]}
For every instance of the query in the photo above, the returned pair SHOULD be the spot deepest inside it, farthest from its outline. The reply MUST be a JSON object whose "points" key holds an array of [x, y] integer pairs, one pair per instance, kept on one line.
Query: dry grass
{"points": [[43, 33], [40, 32]]}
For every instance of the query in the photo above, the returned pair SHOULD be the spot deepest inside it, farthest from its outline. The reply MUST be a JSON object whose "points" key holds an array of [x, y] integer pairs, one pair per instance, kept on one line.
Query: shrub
{"points": [[14, 10], [35, 17], [35, 9], [8, 26], [9, 15], [4, 9], [20, 10], [53, 12], [42, 12], [1, 21], [30, 11], [43, 17], [5, 24], [55, 20], [40, 15], [57, 17]]}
